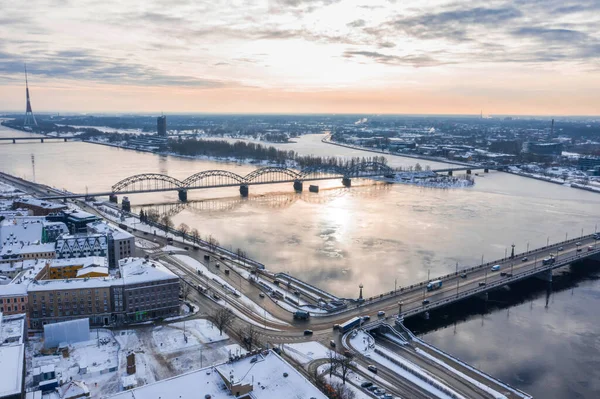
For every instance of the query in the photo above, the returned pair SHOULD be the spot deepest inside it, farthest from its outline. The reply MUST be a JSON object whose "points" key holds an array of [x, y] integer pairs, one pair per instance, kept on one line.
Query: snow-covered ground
{"points": [[171, 338], [7, 189], [568, 176], [430, 179], [306, 352]]}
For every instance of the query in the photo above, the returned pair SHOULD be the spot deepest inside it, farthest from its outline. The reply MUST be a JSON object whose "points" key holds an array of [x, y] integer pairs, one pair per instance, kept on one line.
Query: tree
{"points": [[152, 215], [341, 391], [183, 229], [195, 235], [142, 216], [332, 359], [344, 364], [249, 336], [167, 223], [213, 243], [185, 290], [418, 167], [222, 318]]}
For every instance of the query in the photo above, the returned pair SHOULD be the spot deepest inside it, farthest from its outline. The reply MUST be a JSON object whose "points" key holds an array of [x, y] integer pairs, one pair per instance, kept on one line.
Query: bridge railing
{"points": [[498, 283], [516, 258]]}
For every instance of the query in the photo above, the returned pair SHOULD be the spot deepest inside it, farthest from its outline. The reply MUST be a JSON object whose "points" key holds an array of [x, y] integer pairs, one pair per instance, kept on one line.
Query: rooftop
{"points": [[76, 214], [11, 364], [138, 270], [16, 250], [265, 372], [92, 269], [84, 262], [104, 228], [40, 203]]}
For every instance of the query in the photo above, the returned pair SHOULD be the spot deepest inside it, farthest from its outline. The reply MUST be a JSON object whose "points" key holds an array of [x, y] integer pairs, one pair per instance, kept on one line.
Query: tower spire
{"points": [[29, 117]]}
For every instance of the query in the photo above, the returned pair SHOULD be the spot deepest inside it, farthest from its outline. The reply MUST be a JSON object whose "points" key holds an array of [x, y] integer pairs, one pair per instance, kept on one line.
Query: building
{"points": [[588, 163], [262, 375], [18, 253], [91, 266], [52, 301], [121, 244], [149, 290], [38, 207], [506, 146], [545, 148], [161, 125], [13, 299], [81, 246], [13, 330], [76, 220]]}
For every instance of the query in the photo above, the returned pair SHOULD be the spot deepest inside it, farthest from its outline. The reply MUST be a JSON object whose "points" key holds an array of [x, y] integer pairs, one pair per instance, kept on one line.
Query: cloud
{"points": [[550, 34], [85, 65], [454, 24], [386, 45], [420, 60], [359, 23]]}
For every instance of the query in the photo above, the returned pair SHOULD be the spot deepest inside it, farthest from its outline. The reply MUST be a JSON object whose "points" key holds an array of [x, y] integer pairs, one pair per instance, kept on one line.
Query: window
{"points": [[22, 299]]}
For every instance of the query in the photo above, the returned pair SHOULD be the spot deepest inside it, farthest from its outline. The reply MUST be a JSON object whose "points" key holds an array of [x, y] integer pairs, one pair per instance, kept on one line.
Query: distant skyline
{"points": [[522, 57]]}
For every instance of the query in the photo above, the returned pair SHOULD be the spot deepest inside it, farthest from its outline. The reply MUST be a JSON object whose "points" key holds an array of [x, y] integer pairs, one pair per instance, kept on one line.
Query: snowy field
{"points": [[170, 338]]}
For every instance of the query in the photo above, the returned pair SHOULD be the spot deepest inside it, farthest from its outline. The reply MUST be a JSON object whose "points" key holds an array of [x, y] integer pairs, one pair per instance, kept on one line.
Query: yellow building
{"points": [[95, 266]]}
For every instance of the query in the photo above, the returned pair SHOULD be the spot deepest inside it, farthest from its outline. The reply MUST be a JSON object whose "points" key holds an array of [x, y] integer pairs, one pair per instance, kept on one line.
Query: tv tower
{"points": [[29, 117]]}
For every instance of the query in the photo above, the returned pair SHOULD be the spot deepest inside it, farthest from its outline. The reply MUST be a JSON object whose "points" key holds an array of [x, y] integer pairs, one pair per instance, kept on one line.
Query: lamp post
{"points": [[566, 236], [512, 253], [527, 246], [548, 241], [395, 285], [505, 251]]}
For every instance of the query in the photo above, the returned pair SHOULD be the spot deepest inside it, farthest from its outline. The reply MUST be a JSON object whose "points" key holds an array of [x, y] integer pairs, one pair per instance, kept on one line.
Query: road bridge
{"points": [[469, 169], [156, 182], [41, 139]]}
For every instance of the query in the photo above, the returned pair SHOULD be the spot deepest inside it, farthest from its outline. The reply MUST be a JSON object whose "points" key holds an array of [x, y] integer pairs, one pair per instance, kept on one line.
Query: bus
{"points": [[350, 324]]}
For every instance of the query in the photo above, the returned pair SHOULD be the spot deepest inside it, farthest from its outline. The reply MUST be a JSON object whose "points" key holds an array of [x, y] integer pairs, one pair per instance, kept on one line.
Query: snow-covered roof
{"points": [[22, 229], [92, 269], [73, 389], [75, 283], [85, 261], [18, 249], [11, 364], [265, 374], [12, 290], [102, 227], [41, 203], [139, 270], [12, 329], [79, 214]]}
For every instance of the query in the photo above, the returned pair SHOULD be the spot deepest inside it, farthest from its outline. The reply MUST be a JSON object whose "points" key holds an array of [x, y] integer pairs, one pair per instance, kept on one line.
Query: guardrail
{"points": [[417, 286], [498, 283]]}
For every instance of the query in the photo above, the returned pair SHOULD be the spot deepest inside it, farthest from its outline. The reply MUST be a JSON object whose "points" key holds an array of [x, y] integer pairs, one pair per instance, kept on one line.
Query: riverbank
{"points": [[327, 140]]}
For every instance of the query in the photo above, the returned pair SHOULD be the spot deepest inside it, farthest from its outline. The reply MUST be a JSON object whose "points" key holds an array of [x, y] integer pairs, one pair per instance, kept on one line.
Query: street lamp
{"points": [[548, 241], [527, 246], [505, 251], [566, 236]]}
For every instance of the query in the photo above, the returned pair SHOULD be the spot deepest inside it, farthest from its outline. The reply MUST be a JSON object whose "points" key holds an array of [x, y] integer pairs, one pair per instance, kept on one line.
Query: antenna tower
{"points": [[29, 117]]}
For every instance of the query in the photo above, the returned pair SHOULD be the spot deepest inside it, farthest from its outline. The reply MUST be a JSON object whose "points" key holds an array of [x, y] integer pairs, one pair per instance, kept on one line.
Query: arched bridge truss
{"points": [[148, 182]]}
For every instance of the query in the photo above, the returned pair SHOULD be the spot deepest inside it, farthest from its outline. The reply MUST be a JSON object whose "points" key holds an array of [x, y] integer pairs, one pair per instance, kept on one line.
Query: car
{"points": [[388, 396], [590, 248], [379, 392], [332, 343], [495, 268], [524, 259], [481, 283], [579, 249], [503, 274], [297, 293], [308, 332], [508, 274], [372, 368], [464, 275], [171, 253], [366, 318], [196, 247], [145, 233], [577, 244], [336, 326], [349, 354], [217, 265], [425, 301], [186, 248], [372, 388], [560, 248], [366, 384], [381, 313], [261, 295]]}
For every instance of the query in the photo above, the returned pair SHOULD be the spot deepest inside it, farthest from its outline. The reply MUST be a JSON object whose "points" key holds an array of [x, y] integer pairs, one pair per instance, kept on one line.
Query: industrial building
{"points": [[37, 206]]}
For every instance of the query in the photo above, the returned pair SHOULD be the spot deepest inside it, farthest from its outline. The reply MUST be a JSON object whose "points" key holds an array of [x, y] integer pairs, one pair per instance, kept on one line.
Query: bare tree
{"points": [[342, 391], [332, 359], [183, 229], [195, 235], [167, 223], [213, 243], [249, 336], [222, 318], [185, 290], [344, 364], [418, 167], [152, 215]]}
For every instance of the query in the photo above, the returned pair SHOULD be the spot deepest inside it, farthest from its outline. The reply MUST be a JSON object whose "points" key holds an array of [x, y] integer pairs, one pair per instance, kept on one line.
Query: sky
{"points": [[531, 57]]}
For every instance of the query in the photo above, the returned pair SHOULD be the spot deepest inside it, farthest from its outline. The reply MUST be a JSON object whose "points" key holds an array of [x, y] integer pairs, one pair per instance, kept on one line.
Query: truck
{"points": [[434, 285], [301, 315], [548, 261]]}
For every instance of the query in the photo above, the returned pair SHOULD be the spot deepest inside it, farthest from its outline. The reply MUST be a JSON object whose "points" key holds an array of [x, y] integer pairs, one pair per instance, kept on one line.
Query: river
{"points": [[379, 235]]}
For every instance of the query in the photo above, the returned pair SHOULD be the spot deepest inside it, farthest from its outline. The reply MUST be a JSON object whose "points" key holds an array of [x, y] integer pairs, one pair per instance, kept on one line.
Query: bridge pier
{"points": [[468, 171], [125, 204], [449, 173], [113, 198], [298, 186], [65, 139], [41, 140], [486, 170], [14, 141], [347, 182], [182, 195], [244, 190], [546, 275]]}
